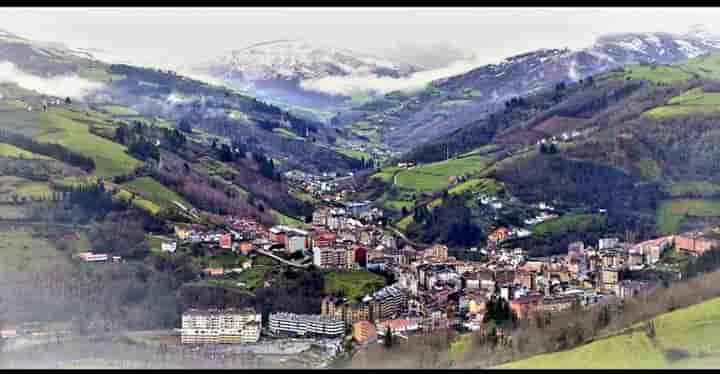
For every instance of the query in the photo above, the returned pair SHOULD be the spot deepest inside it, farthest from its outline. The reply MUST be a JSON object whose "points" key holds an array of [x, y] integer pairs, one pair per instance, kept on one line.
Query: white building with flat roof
{"points": [[306, 324], [220, 326]]}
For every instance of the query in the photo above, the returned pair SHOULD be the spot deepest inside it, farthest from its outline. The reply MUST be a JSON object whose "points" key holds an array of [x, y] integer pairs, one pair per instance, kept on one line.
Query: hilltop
{"points": [[403, 120]]}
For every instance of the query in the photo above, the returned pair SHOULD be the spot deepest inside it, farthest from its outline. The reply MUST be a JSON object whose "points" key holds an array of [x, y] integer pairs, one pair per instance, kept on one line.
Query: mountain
{"points": [[405, 120], [59, 71], [281, 68]]}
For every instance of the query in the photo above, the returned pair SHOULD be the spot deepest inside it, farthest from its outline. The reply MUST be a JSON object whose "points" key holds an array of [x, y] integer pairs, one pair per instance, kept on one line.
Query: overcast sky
{"points": [[182, 36]]}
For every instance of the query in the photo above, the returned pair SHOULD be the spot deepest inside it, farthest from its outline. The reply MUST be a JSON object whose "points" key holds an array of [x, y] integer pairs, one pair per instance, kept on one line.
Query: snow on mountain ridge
{"points": [[304, 60]]}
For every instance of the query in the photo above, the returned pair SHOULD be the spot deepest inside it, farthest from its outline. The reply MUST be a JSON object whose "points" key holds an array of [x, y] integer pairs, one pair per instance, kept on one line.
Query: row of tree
{"points": [[52, 150]]}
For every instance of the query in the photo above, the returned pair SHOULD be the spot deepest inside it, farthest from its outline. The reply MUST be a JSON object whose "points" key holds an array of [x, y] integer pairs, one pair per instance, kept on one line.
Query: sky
{"points": [[172, 37]]}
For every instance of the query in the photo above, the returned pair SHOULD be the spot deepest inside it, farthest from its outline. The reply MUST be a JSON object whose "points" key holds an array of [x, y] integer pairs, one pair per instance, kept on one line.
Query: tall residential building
{"points": [[438, 251], [350, 313], [220, 326], [334, 258], [306, 324], [387, 302]]}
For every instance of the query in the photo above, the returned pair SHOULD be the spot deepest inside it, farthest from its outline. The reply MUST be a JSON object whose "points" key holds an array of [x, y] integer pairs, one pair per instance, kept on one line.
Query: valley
{"points": [[534, 213]]}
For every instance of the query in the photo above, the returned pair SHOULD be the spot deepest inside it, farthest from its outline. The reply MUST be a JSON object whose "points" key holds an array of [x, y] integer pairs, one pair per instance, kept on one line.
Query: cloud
{"points": [[358, 83], [427, 56], [61, 86]]}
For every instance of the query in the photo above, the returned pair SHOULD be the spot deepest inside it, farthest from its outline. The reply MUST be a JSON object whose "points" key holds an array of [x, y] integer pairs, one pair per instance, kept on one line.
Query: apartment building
{"points": [[334, 258], [220, 326], [387, 302], [306, 324], [364, 332]]}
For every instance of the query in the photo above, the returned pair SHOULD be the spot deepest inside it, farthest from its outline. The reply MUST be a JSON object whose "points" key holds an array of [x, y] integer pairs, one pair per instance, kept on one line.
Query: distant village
{"points": [[432, 290]]}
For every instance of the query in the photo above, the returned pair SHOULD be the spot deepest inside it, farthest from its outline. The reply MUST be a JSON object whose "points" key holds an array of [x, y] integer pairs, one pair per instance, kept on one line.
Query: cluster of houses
{"points": [[433, 290], [313, 184]]}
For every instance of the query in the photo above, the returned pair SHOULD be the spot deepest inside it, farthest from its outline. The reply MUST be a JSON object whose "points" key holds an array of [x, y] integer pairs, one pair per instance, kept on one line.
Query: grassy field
{"points": [[287, 133], [693, 329], [139, 201], [11, 211], [705, 66], [11, 185], [21, 249], [70, 129], [286, 220], [9, 150], [354, 284], [670, 213], [152, 190], [692, 188], [567, 222], [98, 74], [693, 101], [486, 185], [353, 153], [386, 174], [435, 176], [656, 74], [118, 110]]}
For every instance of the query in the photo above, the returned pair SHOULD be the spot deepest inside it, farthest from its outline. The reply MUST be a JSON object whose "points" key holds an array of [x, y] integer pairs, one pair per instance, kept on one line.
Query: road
{"points": [[405, 238], [284, 261]]}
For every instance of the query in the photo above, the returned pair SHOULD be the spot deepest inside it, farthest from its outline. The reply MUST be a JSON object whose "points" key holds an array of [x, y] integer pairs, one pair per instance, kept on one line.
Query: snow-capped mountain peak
{"points": [[302, 60]]}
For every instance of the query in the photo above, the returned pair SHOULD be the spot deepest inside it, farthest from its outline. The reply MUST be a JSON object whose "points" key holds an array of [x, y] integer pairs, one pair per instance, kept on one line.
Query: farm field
{"points": [[692, 330], [353, 153], [22, 188], [692, 188], [693, 101], [70, 129], [98, 74], [138, 201], [287, 133], [9, 150], [705, 66], [670, 213], [354, 284], [435, 176], [22, 250], [486, 185], [286, 220], [656, 74], [567, 222], [154, 191]]}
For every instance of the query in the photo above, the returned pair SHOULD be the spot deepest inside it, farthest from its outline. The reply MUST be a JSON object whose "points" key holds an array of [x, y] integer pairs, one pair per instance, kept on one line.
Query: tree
{"points": [[185, 126], [553, 148], [68, 101], [389, 339], [120, 134]]}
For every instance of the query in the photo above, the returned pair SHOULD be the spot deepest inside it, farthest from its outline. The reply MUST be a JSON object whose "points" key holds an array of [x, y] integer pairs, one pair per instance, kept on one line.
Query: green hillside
{"points": [[70, 128], [690, 333], [152, 190]]}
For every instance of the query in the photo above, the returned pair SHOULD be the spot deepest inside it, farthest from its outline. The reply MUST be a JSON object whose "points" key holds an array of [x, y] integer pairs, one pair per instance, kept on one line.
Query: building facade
{"points": [[306, 324], [223, 326]]}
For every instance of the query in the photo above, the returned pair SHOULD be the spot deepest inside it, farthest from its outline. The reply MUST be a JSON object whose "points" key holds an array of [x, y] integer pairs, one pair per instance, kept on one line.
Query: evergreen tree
{"points": [[389, 339]]}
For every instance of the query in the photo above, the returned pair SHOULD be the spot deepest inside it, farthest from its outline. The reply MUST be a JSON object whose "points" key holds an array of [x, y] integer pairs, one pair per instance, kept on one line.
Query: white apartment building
{"points": [[224, 326], [304, 324]]}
